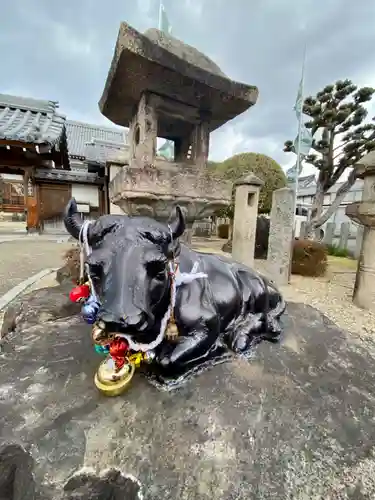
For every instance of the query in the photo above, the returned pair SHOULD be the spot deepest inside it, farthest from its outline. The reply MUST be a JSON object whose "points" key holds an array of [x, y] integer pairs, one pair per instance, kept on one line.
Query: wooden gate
{"points": [[53, 199]]}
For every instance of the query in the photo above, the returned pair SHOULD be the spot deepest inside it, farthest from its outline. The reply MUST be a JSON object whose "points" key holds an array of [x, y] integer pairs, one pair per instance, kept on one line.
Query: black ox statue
{"points": [[160, 301]]}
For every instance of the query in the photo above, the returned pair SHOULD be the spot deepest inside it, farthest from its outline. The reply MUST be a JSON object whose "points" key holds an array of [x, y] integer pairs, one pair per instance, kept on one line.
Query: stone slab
{"points": [[295, 422], [140, 63]]}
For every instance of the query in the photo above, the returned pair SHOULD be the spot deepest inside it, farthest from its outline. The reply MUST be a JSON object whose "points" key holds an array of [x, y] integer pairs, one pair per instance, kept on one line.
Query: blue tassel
{"points": [[101, 349], [90, 310]]}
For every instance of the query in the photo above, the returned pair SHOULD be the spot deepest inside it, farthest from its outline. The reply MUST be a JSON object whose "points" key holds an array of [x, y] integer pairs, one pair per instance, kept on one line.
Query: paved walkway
{"points": [[24, 257]]}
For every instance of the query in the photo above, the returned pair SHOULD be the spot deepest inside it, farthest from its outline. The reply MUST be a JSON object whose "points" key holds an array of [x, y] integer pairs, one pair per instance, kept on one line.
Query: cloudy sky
{"points": [[62, 51]]}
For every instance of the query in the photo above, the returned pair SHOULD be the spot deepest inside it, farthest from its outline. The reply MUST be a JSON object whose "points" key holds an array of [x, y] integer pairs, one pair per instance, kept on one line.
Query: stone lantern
{"points": [[161, 87], [363, 212]]}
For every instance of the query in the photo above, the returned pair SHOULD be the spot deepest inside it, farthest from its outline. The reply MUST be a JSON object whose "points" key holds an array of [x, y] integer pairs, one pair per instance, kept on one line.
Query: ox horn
{"points": [[177, 224], [72, 219]]}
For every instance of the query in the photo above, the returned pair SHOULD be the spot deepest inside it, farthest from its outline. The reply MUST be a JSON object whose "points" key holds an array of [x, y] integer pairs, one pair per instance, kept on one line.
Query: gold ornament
{"points": [[110, 381]]}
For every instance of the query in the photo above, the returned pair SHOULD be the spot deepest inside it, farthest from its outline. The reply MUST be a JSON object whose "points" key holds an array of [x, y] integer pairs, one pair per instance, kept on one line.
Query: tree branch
{"points": [[340, 195]]}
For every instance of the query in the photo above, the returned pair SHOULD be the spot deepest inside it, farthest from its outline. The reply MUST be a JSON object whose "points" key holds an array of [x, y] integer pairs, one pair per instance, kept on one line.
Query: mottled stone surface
{"points": [[38, 307], [245, 219], [363, 212], [150, 191], [143, 63], [295, 422], [281, 235]]}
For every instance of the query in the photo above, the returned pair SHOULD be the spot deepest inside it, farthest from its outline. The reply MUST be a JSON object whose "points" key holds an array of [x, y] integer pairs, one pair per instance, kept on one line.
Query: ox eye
{"points": [[156, 269]]}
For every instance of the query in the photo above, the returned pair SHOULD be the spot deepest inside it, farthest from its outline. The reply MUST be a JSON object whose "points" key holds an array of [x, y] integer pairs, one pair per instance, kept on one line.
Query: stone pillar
{"points": [[344, 235], [143, 132], [329, 233], [363, 212], [281, 235], [364, 288], [358, 242], [245, 219]]}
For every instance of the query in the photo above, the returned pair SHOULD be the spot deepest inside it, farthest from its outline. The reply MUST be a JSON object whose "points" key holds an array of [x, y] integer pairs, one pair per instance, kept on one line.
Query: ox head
{"points": [[129, 264]]}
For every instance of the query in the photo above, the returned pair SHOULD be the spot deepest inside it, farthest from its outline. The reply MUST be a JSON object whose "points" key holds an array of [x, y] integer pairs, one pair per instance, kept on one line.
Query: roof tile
{"points": [[30, 120]]}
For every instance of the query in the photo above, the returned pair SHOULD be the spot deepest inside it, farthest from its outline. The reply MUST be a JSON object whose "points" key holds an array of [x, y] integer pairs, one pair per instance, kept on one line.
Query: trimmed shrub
{"points": [[261, 238], [336, 251], [262, 233], [223, 231], [309, 258]]}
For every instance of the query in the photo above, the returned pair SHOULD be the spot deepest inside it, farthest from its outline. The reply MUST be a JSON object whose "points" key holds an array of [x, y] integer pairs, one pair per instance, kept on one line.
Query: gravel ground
{"points": [[332, 295], [21, 259]]}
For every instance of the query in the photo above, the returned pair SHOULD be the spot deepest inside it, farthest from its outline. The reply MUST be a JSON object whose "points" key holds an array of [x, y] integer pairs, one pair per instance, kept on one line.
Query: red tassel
{"points": [[79, 293]]}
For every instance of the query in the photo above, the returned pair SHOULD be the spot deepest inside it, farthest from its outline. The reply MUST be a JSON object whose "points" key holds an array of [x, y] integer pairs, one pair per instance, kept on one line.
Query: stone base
{"points": [[154, 191], [301, 410]]}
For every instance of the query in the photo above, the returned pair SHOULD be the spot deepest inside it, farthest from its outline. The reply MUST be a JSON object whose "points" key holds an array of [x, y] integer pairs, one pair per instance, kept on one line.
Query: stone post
{"points": [[281, 235], [245, 219], [363, 212], [329, 233], [344, 235]]}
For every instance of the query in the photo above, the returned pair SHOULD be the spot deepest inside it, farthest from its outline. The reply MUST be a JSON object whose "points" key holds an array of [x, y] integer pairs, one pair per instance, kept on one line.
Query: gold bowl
{"points": [[112, 382]]}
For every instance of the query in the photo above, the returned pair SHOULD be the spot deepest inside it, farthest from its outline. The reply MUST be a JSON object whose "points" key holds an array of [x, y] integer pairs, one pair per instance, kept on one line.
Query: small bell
{"points": [[172, 331], [79, 293], [90, 310]]}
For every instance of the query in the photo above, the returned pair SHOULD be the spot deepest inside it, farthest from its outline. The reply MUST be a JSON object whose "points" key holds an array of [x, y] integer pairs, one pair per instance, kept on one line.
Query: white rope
{"points": [[179, 279], [85, 251]]}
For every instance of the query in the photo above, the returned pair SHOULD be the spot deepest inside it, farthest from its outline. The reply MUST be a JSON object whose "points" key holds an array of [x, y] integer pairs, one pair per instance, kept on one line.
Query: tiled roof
{"points": [[101, 151], [30, 120], [80, 134]]}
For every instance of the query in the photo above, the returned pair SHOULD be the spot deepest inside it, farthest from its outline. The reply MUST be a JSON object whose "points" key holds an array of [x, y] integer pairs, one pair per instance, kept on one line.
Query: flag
{"points": [[291, 172], [167, 150], [298, 107], [164, 24], [305, 142]]}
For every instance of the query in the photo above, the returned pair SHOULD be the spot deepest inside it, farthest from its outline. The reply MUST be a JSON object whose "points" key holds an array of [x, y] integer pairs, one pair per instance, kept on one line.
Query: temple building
{"points": [[45, 159]]}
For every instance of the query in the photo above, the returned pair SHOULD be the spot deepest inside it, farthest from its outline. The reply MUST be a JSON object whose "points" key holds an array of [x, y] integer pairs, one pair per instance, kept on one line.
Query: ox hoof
{"points": [[241, 343], [164, 361]]}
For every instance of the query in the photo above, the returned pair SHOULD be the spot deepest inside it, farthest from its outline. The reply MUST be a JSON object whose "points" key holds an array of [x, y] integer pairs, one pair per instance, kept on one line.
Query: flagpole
{"points": [[160, 15], [300, 122], [298, 163]]}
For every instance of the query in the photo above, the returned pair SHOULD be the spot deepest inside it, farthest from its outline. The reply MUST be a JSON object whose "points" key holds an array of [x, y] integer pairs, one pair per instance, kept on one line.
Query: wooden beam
{"points": [[17, 144], [9, 170]]}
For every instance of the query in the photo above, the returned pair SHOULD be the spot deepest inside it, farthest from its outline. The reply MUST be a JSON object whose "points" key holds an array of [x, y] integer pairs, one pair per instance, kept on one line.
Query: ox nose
{"points": [[109, 317], [135, 322]]}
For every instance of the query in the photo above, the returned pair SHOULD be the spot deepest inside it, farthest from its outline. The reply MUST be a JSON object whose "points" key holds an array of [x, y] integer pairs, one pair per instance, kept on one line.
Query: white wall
{"points": [[86, 194], [12, 177]]}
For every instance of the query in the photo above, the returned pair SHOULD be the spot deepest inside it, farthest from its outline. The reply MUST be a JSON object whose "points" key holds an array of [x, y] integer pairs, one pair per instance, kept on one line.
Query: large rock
{"points": [[294, 422]]}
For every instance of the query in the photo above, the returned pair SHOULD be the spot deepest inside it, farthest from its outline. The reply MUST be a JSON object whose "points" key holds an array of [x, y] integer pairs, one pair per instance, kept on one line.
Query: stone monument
{"points": [[245, 218], [161, 87], [281, 235], [363, 212]]}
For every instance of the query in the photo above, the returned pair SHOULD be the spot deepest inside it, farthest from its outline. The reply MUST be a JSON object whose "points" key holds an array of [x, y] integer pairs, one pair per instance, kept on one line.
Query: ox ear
{"points": [[177, 224], [72, 219]]}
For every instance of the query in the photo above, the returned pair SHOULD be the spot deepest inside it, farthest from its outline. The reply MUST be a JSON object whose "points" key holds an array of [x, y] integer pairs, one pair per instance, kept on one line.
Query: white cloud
{"points": [[194, 8], [148, 14], [225, 142], [69, 43]]}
